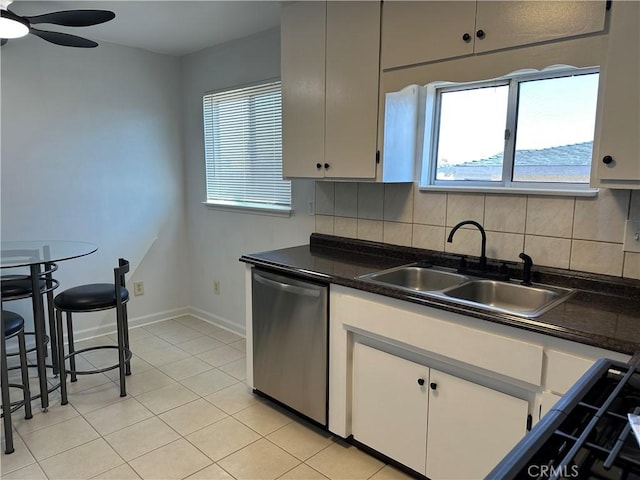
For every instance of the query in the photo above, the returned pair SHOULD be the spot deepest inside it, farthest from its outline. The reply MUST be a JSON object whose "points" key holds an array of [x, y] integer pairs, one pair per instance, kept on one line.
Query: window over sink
{"points": [[529, 132], [243, 148]]}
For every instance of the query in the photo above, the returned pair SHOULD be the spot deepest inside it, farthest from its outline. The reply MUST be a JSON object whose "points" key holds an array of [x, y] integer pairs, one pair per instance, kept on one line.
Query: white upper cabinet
{"points": [[417, 32], [352, 71], [616, 149], [330, 71], [510, 24], [422, 31], [303, 88]]}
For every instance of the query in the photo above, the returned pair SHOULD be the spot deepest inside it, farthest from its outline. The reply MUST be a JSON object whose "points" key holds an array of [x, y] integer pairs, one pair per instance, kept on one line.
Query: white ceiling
{"points": [[168, 27]]}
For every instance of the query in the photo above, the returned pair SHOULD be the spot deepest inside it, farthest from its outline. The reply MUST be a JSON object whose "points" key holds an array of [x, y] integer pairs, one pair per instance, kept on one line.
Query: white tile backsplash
{"points": [[466, 241], [346, 199], [548, 251], [631, 267], [601, 218], [505, 246], [430, 237], [505, 213], [370, 229], [584, 234], [346, 227], [324, 224], [429, 208], [397, 233], [325, 198], [464, 206], [398, 202], [370, 201], [550, 216], [597, 257]]}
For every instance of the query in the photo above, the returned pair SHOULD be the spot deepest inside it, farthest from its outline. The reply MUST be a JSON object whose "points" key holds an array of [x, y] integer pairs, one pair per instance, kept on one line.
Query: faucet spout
{"points": [[483, 251]]}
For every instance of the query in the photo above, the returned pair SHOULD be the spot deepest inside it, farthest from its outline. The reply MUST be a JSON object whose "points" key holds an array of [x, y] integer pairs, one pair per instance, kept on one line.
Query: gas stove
{"points": [[586, 435]]}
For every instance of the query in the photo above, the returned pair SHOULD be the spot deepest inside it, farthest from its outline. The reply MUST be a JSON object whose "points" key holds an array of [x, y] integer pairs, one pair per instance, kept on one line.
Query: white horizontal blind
{"points": [[243, 147]]}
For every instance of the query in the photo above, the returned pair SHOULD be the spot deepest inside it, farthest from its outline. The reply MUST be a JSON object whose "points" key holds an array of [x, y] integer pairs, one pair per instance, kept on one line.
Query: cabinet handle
{"points": [[433, 385], [607, 159], [421, 381], [318, 166], [466, 37], [326, 165], [480, 34]]}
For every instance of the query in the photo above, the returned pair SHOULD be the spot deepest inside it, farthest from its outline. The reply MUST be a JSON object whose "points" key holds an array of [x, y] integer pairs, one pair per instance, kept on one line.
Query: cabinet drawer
{"points": [[563, 370], [438, 332]]}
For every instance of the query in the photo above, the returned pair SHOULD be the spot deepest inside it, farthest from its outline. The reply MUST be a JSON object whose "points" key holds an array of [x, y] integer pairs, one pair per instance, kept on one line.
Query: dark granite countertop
{"points": [[603, 312]]}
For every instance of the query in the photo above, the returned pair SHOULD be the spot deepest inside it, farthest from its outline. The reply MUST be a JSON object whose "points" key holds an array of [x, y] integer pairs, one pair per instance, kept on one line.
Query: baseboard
{"points": [[160, 317], [133, 322], [217, 320]]}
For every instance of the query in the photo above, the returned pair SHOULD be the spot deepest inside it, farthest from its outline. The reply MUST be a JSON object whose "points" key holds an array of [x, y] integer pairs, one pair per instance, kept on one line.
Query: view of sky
{"points": [[552, 112]]}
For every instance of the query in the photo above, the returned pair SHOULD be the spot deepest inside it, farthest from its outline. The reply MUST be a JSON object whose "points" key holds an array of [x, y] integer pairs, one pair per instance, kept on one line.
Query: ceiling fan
{"points": [[15, 26]]}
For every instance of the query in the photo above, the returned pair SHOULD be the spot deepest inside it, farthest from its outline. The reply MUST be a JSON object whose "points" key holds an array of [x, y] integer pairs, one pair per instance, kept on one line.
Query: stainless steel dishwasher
{"points": [[290, 342]]}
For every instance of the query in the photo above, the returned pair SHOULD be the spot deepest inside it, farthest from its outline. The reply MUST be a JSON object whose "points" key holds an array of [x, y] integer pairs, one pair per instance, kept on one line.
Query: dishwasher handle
{"points": [[308, 292]]}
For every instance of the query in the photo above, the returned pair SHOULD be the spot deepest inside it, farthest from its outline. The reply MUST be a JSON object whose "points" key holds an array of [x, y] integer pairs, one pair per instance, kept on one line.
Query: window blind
{"points": [[243, 147]]}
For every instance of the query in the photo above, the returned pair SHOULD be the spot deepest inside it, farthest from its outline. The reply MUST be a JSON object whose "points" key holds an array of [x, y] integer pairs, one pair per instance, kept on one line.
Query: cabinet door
{"points": [[416, 32], [509, 24], [470, 427], [352, 69], [303, 88], [618, 119], [389, 405]]}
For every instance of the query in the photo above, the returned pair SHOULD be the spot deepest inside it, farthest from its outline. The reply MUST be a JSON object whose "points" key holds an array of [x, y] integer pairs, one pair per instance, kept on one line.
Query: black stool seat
{"points": [[19, 287], [13, 323], [92, 298], [85, 298]]}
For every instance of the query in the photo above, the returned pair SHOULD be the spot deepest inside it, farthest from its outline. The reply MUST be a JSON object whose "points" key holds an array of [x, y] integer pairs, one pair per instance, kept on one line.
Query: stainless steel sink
{"points": [[500, 296], [509, 297], [417, 278]]}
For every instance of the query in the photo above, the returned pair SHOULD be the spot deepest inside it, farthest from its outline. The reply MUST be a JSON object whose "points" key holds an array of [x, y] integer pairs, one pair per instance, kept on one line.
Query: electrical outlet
{"points": [[138, 288], [632, 236], [216, 287]]}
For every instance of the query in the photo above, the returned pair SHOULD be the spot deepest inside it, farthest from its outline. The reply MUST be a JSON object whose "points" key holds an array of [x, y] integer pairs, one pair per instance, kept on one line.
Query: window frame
{"points": [[232, 204], [432, 103]]}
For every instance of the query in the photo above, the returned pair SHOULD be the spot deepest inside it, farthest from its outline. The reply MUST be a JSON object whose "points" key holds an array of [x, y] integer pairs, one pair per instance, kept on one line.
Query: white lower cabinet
{"points": [[390, 406], [439, 425]]}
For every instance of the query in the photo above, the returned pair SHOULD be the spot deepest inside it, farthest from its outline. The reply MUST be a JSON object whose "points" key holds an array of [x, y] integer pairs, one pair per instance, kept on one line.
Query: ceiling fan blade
{"points": [[73, 18], [64, 39]]}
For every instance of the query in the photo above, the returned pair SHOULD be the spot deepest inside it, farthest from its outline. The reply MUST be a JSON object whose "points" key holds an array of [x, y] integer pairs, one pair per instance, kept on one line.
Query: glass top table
{"points": [[35, 254], [21, 253]]}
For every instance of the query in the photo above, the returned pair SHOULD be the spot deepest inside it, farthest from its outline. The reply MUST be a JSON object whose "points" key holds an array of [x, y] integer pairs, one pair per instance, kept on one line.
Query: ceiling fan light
{"points": [[11, 27]]}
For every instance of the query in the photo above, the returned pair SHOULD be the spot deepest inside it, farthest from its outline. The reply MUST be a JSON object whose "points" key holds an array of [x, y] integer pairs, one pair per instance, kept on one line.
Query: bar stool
{"points": [[18, 287], [13, 325], [92, 298]]}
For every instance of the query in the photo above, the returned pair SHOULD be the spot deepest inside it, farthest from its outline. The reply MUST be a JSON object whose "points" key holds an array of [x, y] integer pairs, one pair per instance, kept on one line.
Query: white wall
{"points": [[92, 150], [218, 238]]}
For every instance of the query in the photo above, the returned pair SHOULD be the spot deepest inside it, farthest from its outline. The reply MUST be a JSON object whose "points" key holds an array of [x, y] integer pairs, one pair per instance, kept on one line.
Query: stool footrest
{"points": [[127, 357]]}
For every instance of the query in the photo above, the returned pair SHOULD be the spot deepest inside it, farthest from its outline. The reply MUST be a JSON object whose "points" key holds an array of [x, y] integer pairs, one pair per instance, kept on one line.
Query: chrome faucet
{"points": [[483, 251]]}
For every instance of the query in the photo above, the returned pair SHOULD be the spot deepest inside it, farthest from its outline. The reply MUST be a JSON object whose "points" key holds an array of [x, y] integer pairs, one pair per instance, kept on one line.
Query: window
{"points": [[531, 131], [243, 148]]}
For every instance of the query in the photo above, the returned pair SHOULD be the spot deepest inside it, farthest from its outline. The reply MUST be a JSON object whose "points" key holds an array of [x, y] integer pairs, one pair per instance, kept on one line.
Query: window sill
{"points": [[253, 208], [564, 192]]}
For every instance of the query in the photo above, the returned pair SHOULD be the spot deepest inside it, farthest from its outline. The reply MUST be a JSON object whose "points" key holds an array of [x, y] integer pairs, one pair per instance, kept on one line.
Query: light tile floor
{"points": [[188, 414]]}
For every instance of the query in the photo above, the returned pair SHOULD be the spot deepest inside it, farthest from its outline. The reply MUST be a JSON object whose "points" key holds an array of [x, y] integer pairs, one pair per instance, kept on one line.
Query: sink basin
{"points": [[417, 278], [527, 301]]}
